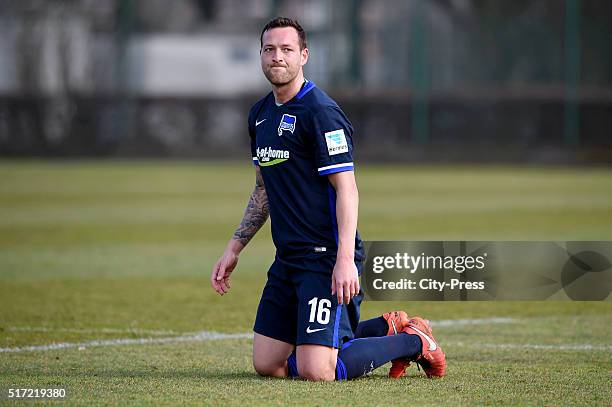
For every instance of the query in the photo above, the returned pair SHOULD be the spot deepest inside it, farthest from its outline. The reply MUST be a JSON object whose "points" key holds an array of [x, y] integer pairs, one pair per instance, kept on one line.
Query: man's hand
{"points": [[255, 216], [220, 276], [345, 281]]}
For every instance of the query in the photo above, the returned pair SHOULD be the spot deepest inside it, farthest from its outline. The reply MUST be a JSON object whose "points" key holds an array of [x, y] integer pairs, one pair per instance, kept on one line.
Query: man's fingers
{"points": [[333, 287], [213, 278], [221, 272], [342, 292], [217, 287], [224, 283], [347, 293], [215, 270], [223, 286], [219, 283]]}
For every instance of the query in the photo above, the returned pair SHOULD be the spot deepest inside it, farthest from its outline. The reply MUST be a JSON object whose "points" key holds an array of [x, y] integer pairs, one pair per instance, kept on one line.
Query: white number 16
{"points": [[322, 310]]}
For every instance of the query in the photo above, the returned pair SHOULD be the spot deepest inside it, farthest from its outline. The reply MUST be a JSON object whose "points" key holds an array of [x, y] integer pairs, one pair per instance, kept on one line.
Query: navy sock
{"points": [[372, 327], [361, 356], [292, 370]]}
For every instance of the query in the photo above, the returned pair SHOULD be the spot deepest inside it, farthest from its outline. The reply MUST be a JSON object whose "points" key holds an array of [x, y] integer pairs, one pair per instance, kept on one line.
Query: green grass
{"points": [[119, 249]]}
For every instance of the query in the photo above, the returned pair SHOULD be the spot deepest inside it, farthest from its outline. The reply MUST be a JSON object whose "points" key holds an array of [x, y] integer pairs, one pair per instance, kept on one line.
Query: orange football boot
{"points": [[432, 359], [397, 320]]}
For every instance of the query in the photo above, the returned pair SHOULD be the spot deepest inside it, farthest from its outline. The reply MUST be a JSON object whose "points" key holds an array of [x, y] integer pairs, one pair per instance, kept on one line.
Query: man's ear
{"points": [[304, 53]]}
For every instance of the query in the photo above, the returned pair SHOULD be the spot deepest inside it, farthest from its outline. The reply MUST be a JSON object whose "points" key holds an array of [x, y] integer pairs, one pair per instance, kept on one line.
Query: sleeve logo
{"points": [[336, 142], [287, 123]]}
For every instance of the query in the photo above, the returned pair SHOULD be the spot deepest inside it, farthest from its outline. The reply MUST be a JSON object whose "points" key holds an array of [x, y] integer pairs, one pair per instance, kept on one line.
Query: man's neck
{"points": [[286, 92]]}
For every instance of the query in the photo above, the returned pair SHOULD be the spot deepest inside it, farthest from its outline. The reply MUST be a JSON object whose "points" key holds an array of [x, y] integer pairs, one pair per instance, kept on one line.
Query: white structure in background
{"points": [[194, 65]]}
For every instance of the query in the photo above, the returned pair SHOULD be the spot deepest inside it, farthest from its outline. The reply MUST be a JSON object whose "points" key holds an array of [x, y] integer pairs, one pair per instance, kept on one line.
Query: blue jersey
{"points": [[296, 146]]}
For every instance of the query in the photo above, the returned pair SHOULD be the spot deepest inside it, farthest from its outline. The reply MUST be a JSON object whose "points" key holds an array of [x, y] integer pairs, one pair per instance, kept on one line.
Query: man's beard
{"points": [[279, 79]]}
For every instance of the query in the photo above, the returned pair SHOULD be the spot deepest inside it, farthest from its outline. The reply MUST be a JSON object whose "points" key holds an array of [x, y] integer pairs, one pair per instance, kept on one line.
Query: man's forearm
{"points": [[347, 204], [255, 215]]}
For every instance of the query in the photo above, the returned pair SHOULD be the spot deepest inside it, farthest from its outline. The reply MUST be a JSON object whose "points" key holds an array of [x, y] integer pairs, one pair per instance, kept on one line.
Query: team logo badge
{"points": [[287, 123], [336, 142]]}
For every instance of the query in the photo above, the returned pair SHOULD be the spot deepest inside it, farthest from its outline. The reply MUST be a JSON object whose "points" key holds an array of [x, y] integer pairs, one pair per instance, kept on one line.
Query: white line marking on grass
{"points": [[136, 331], [204, 336], [199, 337], [481, 321], [42, 329], [97, 331], [184, 336], [585, 346]]}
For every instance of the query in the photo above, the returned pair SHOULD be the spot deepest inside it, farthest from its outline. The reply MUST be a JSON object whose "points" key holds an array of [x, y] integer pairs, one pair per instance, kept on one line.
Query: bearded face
{"points": [[281, 57]]}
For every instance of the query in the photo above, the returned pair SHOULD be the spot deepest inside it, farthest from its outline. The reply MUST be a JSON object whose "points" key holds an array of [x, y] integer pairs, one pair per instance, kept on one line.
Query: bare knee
{"points": [[269, 368], [321, 373], [270, 356], [316, 362]]}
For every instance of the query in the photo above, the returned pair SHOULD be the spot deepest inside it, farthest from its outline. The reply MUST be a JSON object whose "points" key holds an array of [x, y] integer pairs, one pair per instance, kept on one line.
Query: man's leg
{"points": [[361, 356], [391, 337], [270, 355], [316, 362], [356, 358], [275, 325], [389, 341], [323, 326], [371, 327], [390, 323]]}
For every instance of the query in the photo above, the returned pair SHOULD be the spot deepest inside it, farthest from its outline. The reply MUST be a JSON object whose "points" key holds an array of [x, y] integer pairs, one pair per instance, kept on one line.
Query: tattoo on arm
{"points": [[256, 212]]}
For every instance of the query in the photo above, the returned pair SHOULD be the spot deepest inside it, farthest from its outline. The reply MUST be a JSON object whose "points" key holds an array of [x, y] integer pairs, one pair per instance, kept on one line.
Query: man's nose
{"points": [[277, 55]]}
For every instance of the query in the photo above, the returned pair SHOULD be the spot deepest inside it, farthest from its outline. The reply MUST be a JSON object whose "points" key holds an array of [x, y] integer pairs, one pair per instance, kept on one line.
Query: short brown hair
{"points": [[285, 22]]}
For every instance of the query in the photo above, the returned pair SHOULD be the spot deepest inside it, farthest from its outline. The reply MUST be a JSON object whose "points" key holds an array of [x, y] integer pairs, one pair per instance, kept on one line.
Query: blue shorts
{"points": [[297, 307]]}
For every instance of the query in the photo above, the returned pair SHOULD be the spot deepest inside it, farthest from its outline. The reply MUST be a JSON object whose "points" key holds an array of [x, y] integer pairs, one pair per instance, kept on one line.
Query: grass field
{"points": [[112, 260]]}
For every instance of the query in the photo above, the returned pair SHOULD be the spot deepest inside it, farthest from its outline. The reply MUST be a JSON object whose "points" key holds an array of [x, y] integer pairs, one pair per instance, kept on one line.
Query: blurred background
{"points": [[422, 81], [99, 243]]}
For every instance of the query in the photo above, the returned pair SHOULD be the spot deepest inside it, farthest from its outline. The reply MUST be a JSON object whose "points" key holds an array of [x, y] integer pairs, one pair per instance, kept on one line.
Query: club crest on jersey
{"points": [[287, 123]]}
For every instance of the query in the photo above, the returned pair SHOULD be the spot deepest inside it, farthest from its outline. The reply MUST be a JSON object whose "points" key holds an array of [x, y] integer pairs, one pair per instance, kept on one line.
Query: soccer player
{"points": [[307, 323]]}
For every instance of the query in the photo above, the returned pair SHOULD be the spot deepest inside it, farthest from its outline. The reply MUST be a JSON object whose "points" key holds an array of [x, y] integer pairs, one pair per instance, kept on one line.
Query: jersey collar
{"points": [[307, 86]]}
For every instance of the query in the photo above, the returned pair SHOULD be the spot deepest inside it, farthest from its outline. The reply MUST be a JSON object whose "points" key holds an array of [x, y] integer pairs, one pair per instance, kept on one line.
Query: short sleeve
{"points": [[333, 141]]}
